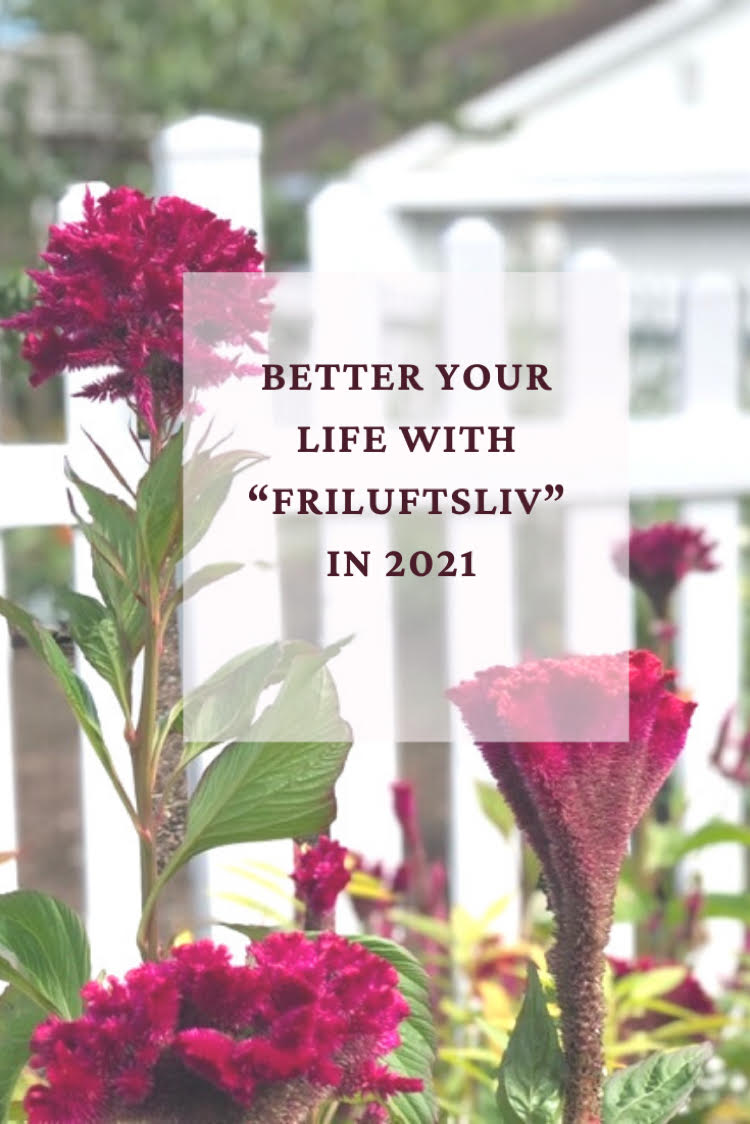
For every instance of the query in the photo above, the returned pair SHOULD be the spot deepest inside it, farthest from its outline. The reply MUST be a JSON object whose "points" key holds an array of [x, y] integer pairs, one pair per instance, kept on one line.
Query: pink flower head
{"points": [[578, 803], [320, 874], [405, 809], [657, 558], [111, 296], [198, 1040]]}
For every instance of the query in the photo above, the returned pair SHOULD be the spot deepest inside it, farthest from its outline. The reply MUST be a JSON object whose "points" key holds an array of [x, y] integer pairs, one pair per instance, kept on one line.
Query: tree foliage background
{"points": [[267, 60], [263, 60]]}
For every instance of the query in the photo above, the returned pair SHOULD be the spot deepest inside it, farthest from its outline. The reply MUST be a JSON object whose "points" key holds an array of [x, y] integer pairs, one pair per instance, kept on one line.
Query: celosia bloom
{"points": [[197, 1040], [657, 558], [578, 803], [111, 297], [420, 882], [320, 874]]}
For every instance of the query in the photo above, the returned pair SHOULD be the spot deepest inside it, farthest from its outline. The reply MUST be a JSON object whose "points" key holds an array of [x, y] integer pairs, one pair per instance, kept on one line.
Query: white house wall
{"points": [[647, 155]]}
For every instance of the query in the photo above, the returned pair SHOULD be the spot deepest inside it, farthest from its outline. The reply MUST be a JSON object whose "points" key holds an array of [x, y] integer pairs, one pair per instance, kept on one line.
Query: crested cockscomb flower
{"points": [[578, 802], [321, 871], [195, 1039], [111, 297], [657, 558]]}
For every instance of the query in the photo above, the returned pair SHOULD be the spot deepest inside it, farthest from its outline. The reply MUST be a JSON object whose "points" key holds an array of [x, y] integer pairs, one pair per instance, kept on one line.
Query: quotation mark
{"points": [[254, 494], [550, 490]]}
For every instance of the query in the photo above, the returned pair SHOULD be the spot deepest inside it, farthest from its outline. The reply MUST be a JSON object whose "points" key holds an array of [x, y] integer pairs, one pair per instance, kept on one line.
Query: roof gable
{"points": [[649, 112]]}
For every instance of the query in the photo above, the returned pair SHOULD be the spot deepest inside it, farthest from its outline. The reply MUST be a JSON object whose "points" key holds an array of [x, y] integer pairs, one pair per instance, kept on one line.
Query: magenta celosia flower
{"points": [[111, 296], [320, 874], [418, 881], [657, 558], [196, 1040], [578, 803], [405, 809]]}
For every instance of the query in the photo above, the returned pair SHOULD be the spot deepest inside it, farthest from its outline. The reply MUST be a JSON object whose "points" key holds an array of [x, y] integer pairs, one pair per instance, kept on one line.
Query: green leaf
{"points": [[206, 575], [715, 831], [206, 480], [637, 988], [530, 1078], [734, 1051], [415, 1056], [292, 649], [114, 547], [495, 808], [94, 629], [158, 505], [280, 783], [19, 1016], [226, 702], [78, 696], [667, 844], [253, 932], [736, 906], [110, 465], [43, 951], [654, 1090]]}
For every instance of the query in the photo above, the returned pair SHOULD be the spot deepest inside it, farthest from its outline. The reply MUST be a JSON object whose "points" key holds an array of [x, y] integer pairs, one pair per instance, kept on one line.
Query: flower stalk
{"points": [[143, 776], [578, 803]]}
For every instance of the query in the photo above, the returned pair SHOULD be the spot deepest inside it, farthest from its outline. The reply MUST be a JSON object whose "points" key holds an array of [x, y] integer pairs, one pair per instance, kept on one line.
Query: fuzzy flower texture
{"points": [[321, 872], [657, 558], [578, 803], [111, 296], [195, 1039]]}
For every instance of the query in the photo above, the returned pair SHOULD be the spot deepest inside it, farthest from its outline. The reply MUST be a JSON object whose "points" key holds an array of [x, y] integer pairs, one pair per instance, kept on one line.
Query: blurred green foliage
{"points": [[39, 568], [274, 57], [267, 62]]}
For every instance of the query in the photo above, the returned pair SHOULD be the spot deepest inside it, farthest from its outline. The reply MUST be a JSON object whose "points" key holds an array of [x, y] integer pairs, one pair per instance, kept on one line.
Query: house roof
{"points": [[646, 111], [494, 50]]}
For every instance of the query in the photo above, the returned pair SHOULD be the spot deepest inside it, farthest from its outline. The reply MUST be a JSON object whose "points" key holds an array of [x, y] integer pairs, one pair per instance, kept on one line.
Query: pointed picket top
{"points": [[213, 162], [207, 133], [474, 243], [350, 230], [591, 259]]}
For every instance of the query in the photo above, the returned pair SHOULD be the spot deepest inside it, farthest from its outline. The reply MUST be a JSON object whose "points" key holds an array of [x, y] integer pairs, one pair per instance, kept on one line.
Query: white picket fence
{"points": [[697, 456]]}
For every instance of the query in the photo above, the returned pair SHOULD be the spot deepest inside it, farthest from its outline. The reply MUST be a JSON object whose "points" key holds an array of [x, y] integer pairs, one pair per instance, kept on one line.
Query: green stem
{"points": [[651, 881], [145, 757], [143, 777]]}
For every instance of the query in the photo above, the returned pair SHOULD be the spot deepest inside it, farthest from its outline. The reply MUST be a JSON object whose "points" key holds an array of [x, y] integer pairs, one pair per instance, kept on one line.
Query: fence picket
{"points": [[473, 251], [214, 162], [343, 245], [8, 869], [709, 617], [111, 886]]}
